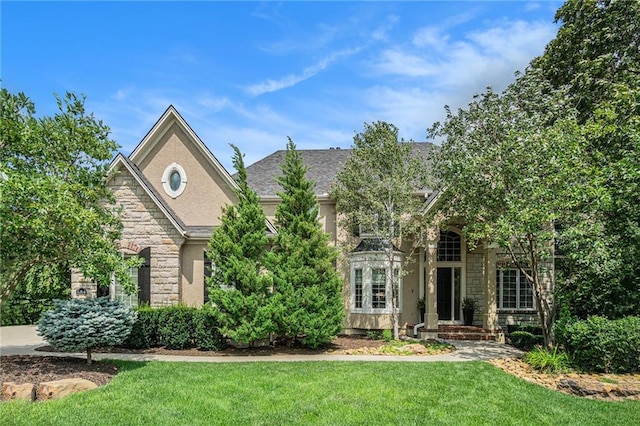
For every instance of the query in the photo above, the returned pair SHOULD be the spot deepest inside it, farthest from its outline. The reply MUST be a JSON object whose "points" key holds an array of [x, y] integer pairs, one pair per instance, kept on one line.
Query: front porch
{"points": [[457, 332]]}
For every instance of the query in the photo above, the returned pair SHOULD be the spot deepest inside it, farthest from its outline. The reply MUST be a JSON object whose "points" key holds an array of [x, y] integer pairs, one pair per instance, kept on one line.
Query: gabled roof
{"points": [[323, 166], [168, 118], [376, 245], [121, 160], [197, 232]]}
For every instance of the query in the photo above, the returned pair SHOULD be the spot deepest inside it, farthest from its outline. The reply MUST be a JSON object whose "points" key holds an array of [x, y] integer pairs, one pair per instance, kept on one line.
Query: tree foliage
{"points": [[83, 324], [35, 294], [595, 57], [240, 286], [53, 192], [511, 168], [306, 284], [375, 190]]}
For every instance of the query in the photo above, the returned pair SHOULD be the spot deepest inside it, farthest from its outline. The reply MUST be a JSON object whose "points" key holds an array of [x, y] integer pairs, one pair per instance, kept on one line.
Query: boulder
{"points": [[61, 388], [13, 390]]}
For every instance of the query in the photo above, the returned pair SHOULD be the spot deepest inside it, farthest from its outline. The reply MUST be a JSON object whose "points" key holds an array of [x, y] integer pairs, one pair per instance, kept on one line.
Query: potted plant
{"points": [[421, 307], [469, 306]]}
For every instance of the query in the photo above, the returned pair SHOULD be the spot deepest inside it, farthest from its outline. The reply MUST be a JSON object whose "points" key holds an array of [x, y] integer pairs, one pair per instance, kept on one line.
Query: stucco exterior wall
{"points": [[192, 279], [206, 191]]}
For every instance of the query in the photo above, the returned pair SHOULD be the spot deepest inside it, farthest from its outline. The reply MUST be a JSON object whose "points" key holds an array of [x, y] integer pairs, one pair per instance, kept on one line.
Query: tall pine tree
{"points": [[306, 283], [239, 286]]}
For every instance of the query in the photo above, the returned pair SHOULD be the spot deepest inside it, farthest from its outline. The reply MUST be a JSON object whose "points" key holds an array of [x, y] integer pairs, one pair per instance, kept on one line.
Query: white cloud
{"points": [[380, 33], [401, 62], [290, 80], [430, 36], [486, 57]]}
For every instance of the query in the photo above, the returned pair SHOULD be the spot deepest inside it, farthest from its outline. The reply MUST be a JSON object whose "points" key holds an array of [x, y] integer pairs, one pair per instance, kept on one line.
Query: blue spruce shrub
{"points": [[83, 324]]}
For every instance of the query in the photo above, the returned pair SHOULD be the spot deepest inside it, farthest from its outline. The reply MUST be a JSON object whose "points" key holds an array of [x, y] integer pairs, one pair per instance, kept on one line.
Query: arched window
{"points": [[449, 249]]}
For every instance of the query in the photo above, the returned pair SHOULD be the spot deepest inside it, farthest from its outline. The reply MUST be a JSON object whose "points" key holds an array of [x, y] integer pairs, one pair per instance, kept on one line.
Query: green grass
{"points": [[335, 393]]}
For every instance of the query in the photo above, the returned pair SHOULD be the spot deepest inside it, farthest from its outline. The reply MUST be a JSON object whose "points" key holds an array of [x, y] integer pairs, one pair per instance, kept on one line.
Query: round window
{"points": [[175, 180]]}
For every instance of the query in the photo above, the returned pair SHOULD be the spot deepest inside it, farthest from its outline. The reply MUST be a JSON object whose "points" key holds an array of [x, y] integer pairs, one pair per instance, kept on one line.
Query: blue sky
{"points": [[253, 73]]}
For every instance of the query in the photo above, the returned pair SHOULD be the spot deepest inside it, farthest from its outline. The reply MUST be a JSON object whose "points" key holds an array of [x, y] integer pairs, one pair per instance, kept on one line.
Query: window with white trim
{"points": [[121, 296], [513, 289], [371, 290], [174, 180], [358, 288]]}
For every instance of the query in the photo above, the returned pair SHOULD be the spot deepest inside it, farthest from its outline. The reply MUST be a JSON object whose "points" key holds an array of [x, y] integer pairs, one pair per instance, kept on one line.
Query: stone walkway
{"points": [[23, 340]]}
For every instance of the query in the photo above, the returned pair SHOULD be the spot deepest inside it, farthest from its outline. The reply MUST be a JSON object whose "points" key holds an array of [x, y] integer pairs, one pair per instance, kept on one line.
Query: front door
{"points": [[449, 288]]}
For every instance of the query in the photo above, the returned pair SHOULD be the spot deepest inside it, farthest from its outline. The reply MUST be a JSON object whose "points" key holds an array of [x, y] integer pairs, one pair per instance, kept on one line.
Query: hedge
{"points": [[602, 345], [525, 341], [176, 327]]}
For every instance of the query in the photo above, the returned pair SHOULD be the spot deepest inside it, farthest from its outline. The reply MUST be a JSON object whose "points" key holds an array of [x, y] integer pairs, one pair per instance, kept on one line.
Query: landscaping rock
{"points": [[415, 348], [61, 388], [13, 390], [597, 389], [607, 387]]}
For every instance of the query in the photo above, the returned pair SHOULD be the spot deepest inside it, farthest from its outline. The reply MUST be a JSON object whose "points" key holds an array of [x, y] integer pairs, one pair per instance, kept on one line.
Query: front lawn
{"points": [[159, 393]]}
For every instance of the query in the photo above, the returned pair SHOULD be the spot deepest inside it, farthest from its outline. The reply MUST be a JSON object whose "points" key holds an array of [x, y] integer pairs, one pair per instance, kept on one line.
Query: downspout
{"points": [[415, 329]]}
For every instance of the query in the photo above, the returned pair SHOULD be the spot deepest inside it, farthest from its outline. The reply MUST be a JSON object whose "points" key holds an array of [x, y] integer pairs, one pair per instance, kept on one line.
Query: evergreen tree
{"points": [[239, 285], [84, 324], [307, 286]]}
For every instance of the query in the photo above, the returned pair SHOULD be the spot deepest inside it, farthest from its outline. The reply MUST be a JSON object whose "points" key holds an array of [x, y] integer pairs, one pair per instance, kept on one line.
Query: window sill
{"points": [[371, 311], [517, 311]]}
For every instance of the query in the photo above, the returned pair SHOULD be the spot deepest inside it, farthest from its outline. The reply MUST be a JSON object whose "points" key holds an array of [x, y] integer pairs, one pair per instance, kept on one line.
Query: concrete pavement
{"points": [[23, 339]]}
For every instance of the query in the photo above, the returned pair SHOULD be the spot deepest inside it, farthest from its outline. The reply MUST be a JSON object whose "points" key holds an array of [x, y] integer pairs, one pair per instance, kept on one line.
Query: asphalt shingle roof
{"points": [[323, 165]]}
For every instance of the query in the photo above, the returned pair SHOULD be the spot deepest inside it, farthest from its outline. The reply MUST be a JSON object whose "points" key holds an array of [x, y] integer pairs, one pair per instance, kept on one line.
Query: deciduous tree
{"points": [[375, 191], [510, 169], [53, 194], [596, 58]]}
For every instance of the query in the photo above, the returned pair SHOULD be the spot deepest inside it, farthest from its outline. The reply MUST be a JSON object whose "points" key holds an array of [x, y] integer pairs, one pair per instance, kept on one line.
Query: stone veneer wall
{"points": [[144, 225], [475, 282]]}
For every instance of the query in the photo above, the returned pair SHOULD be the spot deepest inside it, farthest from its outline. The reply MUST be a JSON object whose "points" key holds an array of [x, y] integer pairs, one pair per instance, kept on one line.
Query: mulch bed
{"points": [[37, 369]]}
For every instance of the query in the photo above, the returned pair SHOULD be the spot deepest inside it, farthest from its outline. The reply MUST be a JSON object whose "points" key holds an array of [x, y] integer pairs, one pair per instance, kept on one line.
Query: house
{"points": [[172, 189]]}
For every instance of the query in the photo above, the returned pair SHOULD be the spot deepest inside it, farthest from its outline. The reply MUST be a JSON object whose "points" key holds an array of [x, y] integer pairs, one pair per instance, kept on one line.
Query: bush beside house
{"points": [[176, 327]]}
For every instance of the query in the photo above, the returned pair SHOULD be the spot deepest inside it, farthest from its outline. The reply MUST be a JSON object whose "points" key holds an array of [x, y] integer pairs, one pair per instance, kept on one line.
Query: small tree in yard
{"points": [[375, 191], [511, 169], [83, 324], [239, 286], [306, 284]]}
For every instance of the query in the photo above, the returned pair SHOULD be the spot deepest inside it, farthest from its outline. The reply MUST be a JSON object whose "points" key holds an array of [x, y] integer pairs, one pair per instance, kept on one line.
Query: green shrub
{"points": [[374, 334], [524, 340], [176, 326], [387, 335], [207, 335], [602, 345], [144, 333], [547, 361], [534, 329], [84, 324]]}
